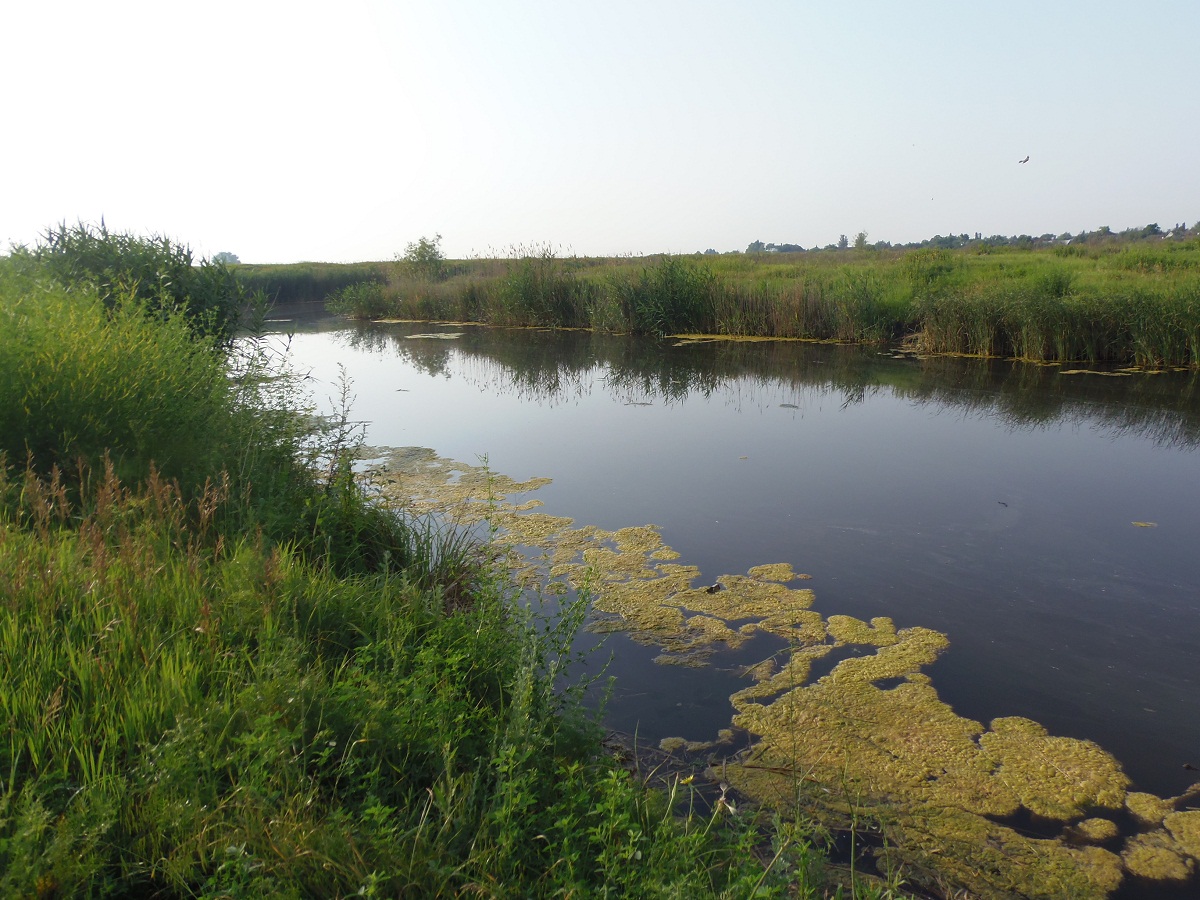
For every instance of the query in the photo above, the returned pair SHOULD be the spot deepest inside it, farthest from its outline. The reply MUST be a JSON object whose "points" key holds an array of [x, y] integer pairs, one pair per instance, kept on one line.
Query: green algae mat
{"points": [[1001, 811]]}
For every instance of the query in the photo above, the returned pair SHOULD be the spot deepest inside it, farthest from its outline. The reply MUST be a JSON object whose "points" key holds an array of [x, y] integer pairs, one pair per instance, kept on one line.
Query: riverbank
{"points": [[1128, 303], [227, 673]]}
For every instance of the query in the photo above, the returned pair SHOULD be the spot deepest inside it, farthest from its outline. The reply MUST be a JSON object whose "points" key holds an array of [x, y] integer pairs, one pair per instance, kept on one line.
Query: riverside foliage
{"points": [[1123, 303], [226, 673]]}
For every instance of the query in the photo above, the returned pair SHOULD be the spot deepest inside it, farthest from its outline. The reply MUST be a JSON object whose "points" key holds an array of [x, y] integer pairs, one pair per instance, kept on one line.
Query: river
{"points": [[1045, 519]]}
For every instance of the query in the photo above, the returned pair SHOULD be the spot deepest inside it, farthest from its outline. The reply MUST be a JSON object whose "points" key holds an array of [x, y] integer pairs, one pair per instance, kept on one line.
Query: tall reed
{"points": [[1134, 305]]}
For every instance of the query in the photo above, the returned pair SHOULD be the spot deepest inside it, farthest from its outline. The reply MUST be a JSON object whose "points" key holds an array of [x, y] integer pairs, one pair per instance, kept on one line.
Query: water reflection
{"points": [[553, 367]]}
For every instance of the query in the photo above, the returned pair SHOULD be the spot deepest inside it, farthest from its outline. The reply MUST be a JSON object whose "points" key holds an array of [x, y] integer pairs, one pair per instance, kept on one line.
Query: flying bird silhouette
{"points": [[1022, 161]]}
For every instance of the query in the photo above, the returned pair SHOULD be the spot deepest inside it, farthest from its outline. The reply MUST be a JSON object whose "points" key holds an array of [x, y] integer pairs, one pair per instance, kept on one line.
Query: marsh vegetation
{"points": [[1129, 303]]}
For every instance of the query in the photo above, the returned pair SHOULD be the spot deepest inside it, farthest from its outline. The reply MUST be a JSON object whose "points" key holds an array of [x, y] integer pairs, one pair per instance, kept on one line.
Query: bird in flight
{"points": [[1022, 161]]}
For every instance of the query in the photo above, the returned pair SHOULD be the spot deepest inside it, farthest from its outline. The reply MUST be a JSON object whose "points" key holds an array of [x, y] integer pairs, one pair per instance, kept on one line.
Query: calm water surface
{"points": [[994, 502]]}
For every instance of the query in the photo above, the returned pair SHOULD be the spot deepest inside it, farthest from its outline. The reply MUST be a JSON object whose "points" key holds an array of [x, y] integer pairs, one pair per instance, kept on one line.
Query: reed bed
{"points": [[1118, 304], [308, 282]]}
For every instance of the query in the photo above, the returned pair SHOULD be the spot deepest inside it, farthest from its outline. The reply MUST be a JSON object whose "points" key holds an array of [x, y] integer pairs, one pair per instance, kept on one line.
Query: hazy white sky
{"points": [[283, 131]]}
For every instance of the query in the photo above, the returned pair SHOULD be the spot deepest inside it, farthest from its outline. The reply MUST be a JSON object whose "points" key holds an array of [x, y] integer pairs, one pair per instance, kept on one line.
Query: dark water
{"points": [[991, 501]]}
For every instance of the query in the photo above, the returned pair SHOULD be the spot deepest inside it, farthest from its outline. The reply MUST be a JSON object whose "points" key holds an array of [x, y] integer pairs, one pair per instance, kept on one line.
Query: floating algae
{"points": [[1054, 777], [880, 633], [1157, 856], [1093, 831], [781, 572], [932, 781], [1185, 828], [849, 746], [1148, 809]]}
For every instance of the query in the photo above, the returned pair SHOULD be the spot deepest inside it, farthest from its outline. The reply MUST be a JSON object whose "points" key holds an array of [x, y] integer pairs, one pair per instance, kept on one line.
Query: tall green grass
{"points": [[1103, 304], [194, 713], [81, 378]]}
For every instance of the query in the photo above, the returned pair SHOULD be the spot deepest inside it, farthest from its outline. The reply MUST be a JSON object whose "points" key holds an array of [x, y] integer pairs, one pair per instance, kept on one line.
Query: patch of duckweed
{"points": [[780, 572], [715, 630], [630, 571], [1145, 524], [775, 607], [693, 660], [676, 744], [644, 540], [1185, 828], [1156, 856], [532, 528], [764, 670], [772, 680], [419, 481], [933, 779], [849, 630], [1093, 831], [1054, 777], [999, 863], [1147, 809], [911, 649]]}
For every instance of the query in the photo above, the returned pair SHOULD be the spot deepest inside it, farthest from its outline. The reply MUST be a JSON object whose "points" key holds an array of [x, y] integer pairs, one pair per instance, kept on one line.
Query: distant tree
{"points": [[1151, 229], [1104, 230], [756, 247], [226, 258], [860, 241], [424, 258], [710, 252], [843, 242]]}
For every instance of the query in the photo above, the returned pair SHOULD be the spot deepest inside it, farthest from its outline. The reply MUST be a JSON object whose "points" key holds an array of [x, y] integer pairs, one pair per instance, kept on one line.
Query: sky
{"points": [[339, 132]]}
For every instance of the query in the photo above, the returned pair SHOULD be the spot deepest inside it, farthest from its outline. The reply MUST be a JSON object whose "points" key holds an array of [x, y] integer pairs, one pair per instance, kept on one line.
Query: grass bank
{"points": [[225, 673], [1128, 303]]}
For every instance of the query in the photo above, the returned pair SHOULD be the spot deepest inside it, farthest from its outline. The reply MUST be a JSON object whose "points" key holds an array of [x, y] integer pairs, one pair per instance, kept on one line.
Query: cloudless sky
{"points": [[284, 131]]}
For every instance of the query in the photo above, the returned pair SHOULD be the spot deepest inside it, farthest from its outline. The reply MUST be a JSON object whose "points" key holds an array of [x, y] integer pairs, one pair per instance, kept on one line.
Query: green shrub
{"points": [[153, 273], [82, 379]]}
